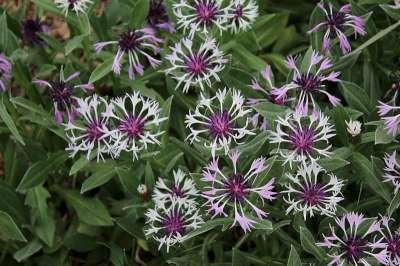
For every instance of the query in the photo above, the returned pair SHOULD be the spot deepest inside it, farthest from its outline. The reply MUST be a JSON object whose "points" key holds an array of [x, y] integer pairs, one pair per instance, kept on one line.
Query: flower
{"points": [[5, 72], [61, 93], [242, 14], [300, 138], [136, 124], [200, 16], [218, 121], [90, 131], [392, 171], [236, 190], [194, 65], [30, 31], [78, 6], [136, 44], [269, 85], [170, 224], [307, 84], [392, 240], [353, 244], [396, 4], [158, 17], [353, 127], [335, 25], [308, 193], [389, 111], [181, 188]]}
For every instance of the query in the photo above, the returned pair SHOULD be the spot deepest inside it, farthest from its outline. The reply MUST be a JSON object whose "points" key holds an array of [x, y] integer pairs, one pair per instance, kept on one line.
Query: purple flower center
{"points": [[177, 191], [238, 12], [157, 12], [132, 126], [94, 131], [394, 245], [302, 140], [30, 29], [336, 20], [220, 124], [237, 187], [196, 64], [308, 82], [60, 93], [312, 194], [173, 224], [206, 11], [129, 40], [72, 3], [354, 247]]}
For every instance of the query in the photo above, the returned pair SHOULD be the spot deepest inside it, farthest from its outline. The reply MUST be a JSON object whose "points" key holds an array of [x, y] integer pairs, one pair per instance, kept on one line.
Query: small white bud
{"points": [[353, 127], [142, 189]]}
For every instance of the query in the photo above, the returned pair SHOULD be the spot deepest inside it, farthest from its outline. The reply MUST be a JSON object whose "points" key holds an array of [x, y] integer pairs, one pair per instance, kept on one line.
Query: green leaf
{"points": [[340, 116], [294, 259], [165, 113], [5, 116], [393, 12], [238, 259], [209, 225], [270, 110], [98, 178], [101, 70], [382, 136], [248, 59], [141, 10], [4, 31], [8, 229], [308, 243], [374, 38], [40, 170], [149, 177], [90, 211], [81, 163], [356, 97], [332, 164], [394, 205], [74, 43], [365, 171], [27, 251]]}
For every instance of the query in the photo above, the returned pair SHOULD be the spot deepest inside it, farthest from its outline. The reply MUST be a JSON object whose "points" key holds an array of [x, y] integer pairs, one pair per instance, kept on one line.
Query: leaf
{"points": [[270, 110], [393, 12], [382, 136], [238, 259], [8, 229], [394, 205], [332, 164], [294, 259], [209, 225], [141, 10], [374, 38], [308, 243], [248, 59], [39, 171], [149, 177], [340, 116], [365, 171], [165, 113], [98, 178], [356, 97], [4, 31], [74, 43], [5, 116], [101, 70], [90, 211], [81, 163], [27, 251]]}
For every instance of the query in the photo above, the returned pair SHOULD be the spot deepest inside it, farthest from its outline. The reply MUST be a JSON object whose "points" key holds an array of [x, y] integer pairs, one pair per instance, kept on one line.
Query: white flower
{"points": [[182, 189], [136, 122], [218, 121], [194, 65], [242, 14], [353, 127], [79, 6], [309, 193], [300, 138], [200, 16], [90, 130], [169, 225]]}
